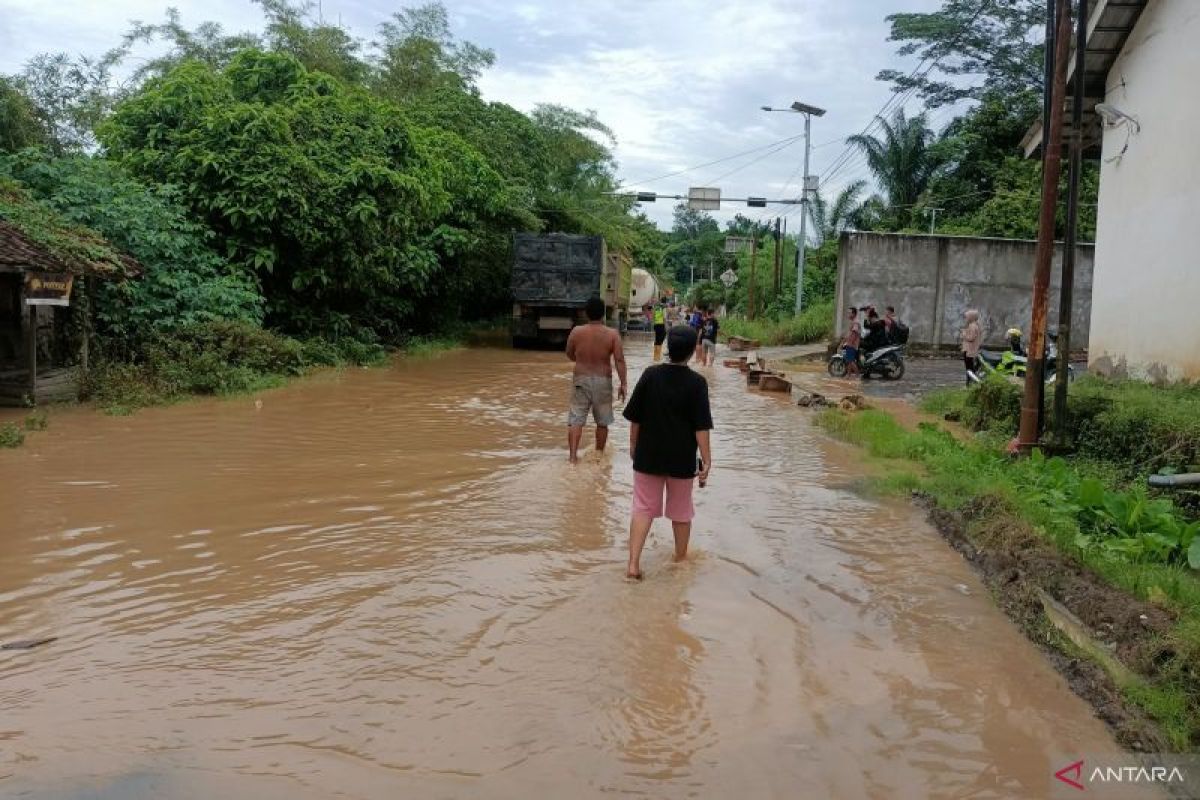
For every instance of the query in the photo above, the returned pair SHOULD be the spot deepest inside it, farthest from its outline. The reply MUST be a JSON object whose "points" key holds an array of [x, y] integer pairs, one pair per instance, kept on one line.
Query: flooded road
{"points": [[389, 584]]}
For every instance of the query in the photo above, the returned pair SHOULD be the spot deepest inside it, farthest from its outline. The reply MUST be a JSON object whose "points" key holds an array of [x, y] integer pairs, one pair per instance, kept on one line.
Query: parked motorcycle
{"points": [[887, 362], [1013, 362]]}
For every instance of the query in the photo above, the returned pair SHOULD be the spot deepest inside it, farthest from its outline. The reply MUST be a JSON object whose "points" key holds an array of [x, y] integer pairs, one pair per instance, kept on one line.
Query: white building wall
{"points": [[1146, 295]]}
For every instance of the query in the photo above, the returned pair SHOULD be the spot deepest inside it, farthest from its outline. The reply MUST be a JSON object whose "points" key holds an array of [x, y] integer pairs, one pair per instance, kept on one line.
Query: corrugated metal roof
{"points": [[1109, 25]]}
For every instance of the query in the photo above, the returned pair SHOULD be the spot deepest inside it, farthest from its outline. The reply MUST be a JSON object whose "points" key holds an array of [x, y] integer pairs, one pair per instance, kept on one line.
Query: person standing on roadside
{"points": [[670, 420], [594, 348], [660, 327], [852, 342], [971, 338]]}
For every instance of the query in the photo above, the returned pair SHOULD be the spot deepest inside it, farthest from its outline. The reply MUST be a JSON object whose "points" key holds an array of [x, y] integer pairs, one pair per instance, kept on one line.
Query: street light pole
{"points": [[803, 244], [809, 112]]}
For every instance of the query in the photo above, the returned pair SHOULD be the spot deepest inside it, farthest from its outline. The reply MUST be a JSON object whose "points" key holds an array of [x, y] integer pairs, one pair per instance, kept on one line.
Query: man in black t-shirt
{"points": [[670, 418]]}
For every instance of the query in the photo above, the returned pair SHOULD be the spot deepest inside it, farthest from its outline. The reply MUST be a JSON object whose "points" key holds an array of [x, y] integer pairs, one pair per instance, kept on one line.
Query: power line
{"points": [[845, 156], [783, 142], [735, 170]]}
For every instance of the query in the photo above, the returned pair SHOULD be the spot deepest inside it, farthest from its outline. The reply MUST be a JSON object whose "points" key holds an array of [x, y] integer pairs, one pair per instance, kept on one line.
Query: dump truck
{"points": [[553, 277]]}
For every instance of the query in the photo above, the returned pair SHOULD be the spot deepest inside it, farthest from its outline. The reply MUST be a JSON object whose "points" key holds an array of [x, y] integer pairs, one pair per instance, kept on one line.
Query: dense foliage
{"points": [[303, 178], [184, 282], [975, 47]]}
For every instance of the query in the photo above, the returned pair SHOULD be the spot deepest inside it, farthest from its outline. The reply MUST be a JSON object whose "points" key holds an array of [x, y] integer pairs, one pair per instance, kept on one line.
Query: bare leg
{"points": [[683, 535], [639, 529], [574, 435], [601, 437]]}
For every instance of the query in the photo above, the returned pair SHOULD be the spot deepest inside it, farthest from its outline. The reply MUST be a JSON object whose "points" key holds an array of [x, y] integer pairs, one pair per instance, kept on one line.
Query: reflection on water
{"points": [[389, 583]]}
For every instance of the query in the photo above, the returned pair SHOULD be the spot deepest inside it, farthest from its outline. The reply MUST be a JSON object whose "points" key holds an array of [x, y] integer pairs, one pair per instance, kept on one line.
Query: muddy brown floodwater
{"points": [[388, 583]]}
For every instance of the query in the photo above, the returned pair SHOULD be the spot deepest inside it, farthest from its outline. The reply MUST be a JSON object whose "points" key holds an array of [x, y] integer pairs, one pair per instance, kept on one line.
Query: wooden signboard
{"points": [[48, 288]]}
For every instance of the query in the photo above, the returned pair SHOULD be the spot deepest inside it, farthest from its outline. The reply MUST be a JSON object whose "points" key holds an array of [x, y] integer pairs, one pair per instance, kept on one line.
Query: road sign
{"points": [[729, 278], [704, 199], [736, 244]]}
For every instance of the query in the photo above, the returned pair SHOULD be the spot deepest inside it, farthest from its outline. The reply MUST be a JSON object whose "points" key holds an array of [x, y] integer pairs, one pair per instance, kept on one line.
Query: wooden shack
{"points": [[45, 286]]}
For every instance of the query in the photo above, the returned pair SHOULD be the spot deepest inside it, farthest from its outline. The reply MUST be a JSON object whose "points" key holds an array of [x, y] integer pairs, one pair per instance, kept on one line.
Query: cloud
{"points": [[680, 82]]}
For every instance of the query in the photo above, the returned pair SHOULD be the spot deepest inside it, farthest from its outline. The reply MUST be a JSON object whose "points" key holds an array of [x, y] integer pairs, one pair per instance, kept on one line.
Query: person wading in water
{"points": [[594, 348], [660, 327], [669, 419]]}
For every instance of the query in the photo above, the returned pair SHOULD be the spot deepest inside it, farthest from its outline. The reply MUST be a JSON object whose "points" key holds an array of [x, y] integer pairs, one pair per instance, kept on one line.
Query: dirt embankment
{"points": [[1020, 568]]}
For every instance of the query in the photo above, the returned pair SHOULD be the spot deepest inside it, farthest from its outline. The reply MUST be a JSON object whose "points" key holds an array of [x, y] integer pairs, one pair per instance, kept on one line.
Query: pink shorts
{"points": [[648, 493]]}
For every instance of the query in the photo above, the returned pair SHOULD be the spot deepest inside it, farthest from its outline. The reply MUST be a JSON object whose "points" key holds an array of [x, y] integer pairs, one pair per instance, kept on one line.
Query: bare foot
{"points": [[633, 576]]}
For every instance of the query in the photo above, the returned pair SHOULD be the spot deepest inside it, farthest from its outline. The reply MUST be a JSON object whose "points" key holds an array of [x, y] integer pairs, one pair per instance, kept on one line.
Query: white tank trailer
{"points": [[644, 290]]}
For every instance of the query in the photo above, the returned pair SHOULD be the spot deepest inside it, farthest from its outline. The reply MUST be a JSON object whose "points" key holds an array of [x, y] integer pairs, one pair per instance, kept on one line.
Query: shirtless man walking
{"points": [[594, 348]]}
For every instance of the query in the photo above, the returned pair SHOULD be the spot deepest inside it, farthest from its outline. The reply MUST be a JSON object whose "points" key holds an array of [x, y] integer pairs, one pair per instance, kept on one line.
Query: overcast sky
{"points": [[680, 82]]}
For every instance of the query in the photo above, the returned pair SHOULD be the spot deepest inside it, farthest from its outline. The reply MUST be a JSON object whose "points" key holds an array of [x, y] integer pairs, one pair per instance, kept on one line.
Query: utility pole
{"points": [[777, 261], [933, 222], [779, 286], [1067, 289], [1031, 403], [753, 263]]}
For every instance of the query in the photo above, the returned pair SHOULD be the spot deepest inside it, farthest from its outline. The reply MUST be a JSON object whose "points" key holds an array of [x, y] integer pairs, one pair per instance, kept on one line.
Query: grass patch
{"points": [[430, 346], [1076, 508], [11, 435], [37, 421], [815, 324], [1134, 428]]}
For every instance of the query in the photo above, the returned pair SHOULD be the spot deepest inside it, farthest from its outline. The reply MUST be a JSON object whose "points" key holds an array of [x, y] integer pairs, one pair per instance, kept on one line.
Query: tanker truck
{"points": [[554, 275], [645, 291]]}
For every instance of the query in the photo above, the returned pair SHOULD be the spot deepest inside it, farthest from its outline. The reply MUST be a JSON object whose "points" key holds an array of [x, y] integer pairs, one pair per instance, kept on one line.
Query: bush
{"points": [[993, 405], [11, 435], [1141, 428], [815, 324]]}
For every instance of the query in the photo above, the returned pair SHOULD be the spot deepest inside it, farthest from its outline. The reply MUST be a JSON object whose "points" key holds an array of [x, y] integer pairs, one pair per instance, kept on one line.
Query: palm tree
{"points": [[829, 222], [901, 160]]}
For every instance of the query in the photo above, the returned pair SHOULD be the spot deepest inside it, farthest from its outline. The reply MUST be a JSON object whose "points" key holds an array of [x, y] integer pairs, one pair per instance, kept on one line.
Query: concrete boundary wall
{"points": [[932, 280]]}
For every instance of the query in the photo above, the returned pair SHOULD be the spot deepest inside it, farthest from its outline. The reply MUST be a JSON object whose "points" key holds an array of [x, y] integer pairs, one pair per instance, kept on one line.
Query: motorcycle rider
{"points": [[876, 332]]}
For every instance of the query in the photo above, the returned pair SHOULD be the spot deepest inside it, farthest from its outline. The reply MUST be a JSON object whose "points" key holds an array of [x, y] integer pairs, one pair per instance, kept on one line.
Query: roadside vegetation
{"points": [[1090, 512], [815, 324], [13, 435], [294, 198]]}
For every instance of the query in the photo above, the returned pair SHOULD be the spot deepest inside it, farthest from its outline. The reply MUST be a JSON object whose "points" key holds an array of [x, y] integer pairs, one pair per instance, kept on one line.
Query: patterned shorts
{"points": [[592, 393]]}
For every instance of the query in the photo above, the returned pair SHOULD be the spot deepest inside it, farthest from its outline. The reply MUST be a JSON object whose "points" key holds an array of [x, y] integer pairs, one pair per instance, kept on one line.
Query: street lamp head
{"points": [[767, 108], [804, 108]]}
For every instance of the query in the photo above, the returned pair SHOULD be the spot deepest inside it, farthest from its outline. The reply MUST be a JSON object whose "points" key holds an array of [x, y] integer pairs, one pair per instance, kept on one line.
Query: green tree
{"points": [[21, 125], [184, 281], [973, 149], [419, 54], [208, 44], [695, 240], [71, 95], [314, 187], [318, 46], [902, 160], [974, 47], [827, 221], [1014, 208]]}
